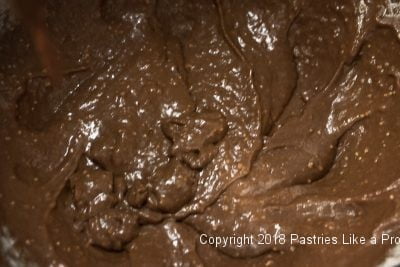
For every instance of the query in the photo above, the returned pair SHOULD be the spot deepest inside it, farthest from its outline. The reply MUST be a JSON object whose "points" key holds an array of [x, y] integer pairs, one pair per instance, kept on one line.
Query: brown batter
{"points": [[176, 121]]}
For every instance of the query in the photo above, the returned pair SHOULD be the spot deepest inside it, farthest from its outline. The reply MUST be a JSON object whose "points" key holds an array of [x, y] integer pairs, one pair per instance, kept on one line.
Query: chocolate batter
{"points": [[175, 121]]}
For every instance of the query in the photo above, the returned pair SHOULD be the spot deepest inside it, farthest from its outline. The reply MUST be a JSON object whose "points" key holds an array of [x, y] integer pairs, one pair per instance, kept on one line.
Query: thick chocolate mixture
{"points": [[174, 121]]}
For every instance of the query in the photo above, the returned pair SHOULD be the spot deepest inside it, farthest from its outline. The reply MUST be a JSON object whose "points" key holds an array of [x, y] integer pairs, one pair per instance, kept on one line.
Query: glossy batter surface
{"points": [[175, 120]]}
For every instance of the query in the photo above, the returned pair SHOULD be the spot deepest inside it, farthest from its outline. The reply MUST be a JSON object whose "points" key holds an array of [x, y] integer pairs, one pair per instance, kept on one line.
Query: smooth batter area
{"points": [[175, 119]]}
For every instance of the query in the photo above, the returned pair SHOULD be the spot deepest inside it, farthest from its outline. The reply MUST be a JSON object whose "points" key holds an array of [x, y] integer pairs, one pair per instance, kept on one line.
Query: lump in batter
{"points": [[112, 229], [195, 137], [172, 186]]}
